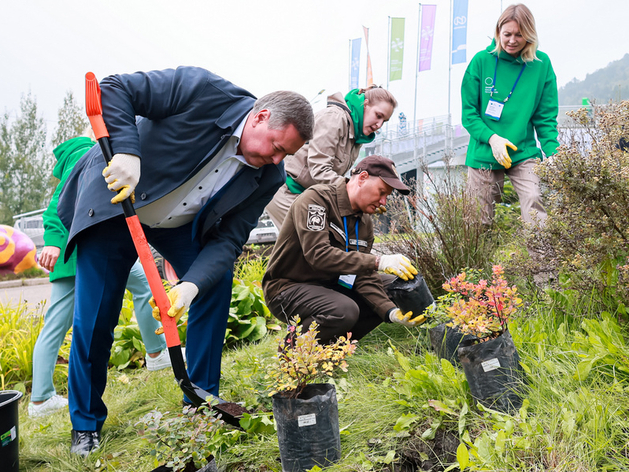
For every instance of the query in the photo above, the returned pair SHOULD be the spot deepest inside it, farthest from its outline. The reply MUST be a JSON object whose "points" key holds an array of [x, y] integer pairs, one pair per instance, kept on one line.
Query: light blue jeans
{"points": [[58, 320]]}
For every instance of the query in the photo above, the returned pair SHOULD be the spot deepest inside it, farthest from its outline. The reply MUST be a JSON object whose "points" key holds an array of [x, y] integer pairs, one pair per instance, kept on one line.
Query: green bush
{"points": [[587, 199]]}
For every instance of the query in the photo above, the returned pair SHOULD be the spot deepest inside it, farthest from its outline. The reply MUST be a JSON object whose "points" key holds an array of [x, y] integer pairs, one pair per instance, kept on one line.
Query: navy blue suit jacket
{"points": [[176, 121]]}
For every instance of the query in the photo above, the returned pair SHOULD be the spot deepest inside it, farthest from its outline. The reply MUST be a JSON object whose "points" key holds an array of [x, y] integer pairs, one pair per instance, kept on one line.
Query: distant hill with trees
{"points": [[609, 83]]}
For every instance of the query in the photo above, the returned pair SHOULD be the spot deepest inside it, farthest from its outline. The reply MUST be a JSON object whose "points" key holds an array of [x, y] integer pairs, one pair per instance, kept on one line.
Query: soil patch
{"points": [[432, 455]]}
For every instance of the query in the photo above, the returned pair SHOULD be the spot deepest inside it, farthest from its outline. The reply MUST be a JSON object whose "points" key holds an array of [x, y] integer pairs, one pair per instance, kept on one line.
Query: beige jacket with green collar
{"points": [[325, 159]]}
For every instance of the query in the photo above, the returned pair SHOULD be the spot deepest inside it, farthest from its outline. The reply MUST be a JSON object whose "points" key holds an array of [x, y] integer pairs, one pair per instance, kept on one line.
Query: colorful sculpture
{"points": [[17, 251]]}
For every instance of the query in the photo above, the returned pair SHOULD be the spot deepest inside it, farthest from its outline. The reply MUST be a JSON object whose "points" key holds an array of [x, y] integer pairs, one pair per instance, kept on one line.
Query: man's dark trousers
{"points": [[105, 254]]}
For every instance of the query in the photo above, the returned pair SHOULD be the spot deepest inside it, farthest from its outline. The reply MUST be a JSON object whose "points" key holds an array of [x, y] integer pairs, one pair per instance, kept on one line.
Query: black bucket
{"points": [[410, 295], [308, 428], [9, 440]]}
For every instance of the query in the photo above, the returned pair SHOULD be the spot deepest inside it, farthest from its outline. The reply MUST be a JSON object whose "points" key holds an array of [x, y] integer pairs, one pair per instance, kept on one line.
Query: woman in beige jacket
{"points": [[340, 130]]}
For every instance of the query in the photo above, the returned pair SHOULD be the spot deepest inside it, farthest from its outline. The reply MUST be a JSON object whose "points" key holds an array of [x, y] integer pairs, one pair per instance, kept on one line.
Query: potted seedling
{"points": [[489, 359], [186, 441], [306, 412]]}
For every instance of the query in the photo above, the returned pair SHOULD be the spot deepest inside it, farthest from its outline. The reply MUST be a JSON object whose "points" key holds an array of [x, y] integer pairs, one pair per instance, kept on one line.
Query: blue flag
{"points": [[354, 66], [459, 31]]}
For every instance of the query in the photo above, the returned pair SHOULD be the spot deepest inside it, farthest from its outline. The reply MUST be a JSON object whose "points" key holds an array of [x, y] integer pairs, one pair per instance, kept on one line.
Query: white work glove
{"points": [[122, 175], [499, 149], [396, 316], [180, 296], [397, 264]]}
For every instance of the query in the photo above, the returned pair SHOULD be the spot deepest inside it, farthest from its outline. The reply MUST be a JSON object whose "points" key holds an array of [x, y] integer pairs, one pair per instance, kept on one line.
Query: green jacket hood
{"points": [[67, 154]]}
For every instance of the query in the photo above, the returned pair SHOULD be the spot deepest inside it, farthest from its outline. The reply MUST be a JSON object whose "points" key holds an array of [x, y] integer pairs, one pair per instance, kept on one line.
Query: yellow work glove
{"points": [[396, 316], [122, 175], [380, 210], [397, 264], [180, 297], [499, 149]]}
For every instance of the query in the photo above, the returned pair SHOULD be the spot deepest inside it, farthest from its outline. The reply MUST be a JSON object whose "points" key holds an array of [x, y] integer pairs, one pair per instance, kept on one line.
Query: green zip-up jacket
{"points": [[55, 234], [533, 107]]}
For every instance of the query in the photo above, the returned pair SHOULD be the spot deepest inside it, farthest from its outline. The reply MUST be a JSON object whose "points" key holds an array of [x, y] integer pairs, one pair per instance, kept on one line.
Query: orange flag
{"points": [[369, 71]]}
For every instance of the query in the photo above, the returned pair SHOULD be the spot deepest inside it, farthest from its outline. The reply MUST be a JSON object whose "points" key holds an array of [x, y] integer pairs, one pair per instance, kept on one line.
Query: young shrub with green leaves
{"points": [[302, 360], [189, 437]]}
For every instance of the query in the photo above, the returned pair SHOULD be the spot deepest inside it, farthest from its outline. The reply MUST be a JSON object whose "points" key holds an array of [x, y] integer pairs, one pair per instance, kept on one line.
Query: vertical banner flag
{"points": [[459, 31], [355, 64], [369, 71], [396, 49], [428, 33]]}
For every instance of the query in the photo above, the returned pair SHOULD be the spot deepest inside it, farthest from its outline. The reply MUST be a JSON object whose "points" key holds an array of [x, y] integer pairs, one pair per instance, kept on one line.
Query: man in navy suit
{"points": [[203, 158]]}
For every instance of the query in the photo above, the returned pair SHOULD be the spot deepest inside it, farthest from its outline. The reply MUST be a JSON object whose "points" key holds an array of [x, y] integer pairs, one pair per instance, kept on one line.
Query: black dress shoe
{"points": [[84, 442]]}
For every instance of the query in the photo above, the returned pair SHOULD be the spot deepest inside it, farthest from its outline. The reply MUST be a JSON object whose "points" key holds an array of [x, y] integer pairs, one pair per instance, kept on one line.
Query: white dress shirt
{"points": [[180, 206]]}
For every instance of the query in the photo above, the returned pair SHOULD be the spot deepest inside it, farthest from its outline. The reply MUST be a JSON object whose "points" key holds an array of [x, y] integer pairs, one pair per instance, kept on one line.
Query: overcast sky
{"points": [[46, 47]]}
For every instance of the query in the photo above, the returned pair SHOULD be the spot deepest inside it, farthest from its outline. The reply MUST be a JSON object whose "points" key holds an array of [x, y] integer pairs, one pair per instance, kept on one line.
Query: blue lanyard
{"points": [[493, 87], [347, 234]]}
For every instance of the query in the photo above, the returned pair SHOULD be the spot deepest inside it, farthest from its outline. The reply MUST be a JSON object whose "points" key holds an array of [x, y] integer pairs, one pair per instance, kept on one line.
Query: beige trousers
{"points": [[489, 184], [278, 208]]}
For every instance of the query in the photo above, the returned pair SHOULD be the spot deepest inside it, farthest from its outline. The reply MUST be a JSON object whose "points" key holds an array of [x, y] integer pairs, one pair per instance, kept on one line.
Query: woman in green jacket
{"points": [[58, 317], [509, 93]]}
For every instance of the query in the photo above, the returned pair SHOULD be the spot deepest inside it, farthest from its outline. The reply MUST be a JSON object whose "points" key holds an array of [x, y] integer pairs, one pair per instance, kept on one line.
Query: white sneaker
{"points": [[51, 405], [160, 362]]}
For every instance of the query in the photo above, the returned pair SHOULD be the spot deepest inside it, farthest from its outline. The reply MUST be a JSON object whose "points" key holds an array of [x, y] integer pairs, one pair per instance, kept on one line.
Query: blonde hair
{"points": [[526, 23], [375, 94]]}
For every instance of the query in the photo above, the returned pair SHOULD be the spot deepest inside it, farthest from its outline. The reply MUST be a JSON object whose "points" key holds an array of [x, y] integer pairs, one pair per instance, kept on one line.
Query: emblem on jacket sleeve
{"points": [[316, 218]]}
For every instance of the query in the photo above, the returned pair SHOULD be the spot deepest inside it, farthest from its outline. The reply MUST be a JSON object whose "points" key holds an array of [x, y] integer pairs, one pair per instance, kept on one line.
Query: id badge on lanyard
{"points": [[348, 280], [495, 107]]}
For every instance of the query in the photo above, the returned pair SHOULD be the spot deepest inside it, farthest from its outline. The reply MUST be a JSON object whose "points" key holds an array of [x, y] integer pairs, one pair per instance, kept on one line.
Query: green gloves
{"points": [[396, 316], [180, 296], [397, 264], [122, 175], [499, 149]]}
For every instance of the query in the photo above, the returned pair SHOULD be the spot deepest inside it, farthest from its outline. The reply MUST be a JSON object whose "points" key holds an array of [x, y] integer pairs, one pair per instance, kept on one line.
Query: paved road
{"points": [[33, 295]]}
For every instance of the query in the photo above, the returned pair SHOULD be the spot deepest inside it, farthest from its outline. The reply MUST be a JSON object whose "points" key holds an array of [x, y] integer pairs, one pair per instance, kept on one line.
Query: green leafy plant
{"points": [[302, 359], [192, 436], [481, 309], [249, 318], [128, 348]]}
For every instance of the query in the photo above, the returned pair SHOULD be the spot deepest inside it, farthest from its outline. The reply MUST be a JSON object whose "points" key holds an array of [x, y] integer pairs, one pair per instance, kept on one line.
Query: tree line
{"points": [[611, 83], [26, 158]]}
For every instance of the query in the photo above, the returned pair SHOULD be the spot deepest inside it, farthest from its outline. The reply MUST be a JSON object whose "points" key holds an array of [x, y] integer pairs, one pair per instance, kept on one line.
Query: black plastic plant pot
{"points": [[9, 437], [445, 341], [410, 295], [308, 428], [494, 374]]}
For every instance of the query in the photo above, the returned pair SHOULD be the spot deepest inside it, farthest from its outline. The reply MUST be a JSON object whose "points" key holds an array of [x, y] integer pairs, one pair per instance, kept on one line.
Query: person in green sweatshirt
{"points": [[58, 318], [509, 94]]}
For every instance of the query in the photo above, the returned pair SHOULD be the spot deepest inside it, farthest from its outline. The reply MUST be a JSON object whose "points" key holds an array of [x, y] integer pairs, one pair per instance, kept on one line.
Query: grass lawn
{"points": [[365, 413], [398, 406]]}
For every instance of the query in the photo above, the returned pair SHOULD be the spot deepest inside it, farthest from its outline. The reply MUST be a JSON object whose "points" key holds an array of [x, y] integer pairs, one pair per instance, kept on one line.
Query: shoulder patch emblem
{"points": [[316, 218]]}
